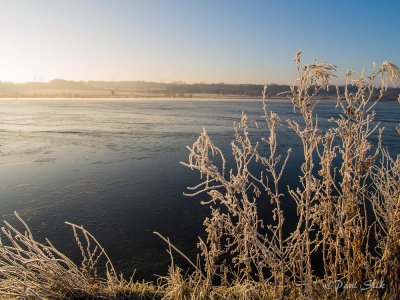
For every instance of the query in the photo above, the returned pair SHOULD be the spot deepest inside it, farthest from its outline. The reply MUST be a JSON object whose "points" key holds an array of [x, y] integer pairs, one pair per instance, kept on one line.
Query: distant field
{"points": [[51, 93], [140, 89]]}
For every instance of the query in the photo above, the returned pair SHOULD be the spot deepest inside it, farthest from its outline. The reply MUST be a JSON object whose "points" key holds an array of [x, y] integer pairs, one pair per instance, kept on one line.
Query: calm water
{"points": [[113, 166]]}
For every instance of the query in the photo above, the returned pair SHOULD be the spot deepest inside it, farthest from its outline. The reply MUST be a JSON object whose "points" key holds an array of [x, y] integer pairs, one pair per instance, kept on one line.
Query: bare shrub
{"points": [[333, 202]]}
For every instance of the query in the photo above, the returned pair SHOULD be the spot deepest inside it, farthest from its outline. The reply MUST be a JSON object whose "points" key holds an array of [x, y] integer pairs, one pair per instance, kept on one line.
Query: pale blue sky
{"points": [[192, 41]]}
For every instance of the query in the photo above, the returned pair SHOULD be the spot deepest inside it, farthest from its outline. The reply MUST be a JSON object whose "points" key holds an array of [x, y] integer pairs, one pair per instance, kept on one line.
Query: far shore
{"points": [[158, 99], [202, 99]]}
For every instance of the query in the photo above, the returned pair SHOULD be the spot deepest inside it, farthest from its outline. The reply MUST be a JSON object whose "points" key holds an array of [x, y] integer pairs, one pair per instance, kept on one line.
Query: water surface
{"points": [[113, 166]]}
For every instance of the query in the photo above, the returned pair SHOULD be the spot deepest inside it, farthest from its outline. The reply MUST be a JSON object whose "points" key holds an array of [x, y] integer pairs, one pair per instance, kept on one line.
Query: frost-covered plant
{"points": [[334, 200], [33, 270]]}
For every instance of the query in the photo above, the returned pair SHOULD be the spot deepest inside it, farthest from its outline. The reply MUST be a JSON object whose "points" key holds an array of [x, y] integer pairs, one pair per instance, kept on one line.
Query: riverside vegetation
{"points": [[347, 203]]}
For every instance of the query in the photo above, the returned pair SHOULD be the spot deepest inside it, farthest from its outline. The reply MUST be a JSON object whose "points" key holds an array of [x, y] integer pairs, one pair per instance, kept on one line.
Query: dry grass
{"points": [[32, 270], [332, 202], [246, 256]]}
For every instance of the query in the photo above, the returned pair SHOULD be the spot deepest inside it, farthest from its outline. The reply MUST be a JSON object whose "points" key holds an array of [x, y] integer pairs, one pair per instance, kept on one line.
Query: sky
{"points": [[207, 41]]}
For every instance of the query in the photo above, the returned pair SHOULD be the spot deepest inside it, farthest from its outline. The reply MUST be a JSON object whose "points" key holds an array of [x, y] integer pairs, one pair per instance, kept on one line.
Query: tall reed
{"points": [[334, 202]]}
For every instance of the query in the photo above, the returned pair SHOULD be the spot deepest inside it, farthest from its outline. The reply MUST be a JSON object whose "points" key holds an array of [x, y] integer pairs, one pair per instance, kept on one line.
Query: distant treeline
{"points": [[65, 88]]}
